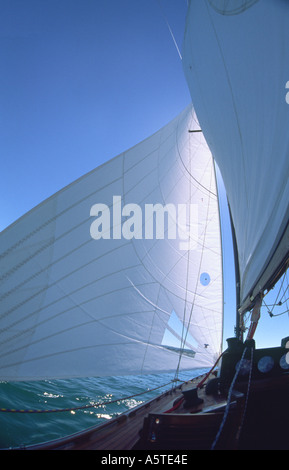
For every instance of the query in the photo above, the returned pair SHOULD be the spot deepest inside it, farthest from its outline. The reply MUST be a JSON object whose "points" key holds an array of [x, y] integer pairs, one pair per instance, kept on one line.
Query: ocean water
{"points": [[22, 429]]}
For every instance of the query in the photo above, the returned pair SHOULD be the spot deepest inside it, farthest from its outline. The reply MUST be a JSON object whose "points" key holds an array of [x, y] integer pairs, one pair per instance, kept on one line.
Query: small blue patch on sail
{"points": [[205, 279]]}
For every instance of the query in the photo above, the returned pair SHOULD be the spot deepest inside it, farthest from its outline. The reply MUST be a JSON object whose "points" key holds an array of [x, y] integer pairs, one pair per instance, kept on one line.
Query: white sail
{"points": [[236, 58], [91, 286]]}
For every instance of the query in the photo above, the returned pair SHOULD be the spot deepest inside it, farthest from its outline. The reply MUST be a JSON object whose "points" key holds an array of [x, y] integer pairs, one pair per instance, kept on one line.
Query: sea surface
{"points": [[113, 395]]}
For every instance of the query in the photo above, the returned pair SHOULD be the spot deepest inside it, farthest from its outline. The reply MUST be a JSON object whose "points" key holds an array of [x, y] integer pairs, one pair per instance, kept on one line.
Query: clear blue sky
{"points": [[81, 81]]}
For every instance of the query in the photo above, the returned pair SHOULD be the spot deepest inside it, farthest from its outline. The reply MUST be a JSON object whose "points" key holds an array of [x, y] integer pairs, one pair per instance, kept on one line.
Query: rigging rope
{"points": [[229, 401], [279, 299], [247, 395], [200, 384]]}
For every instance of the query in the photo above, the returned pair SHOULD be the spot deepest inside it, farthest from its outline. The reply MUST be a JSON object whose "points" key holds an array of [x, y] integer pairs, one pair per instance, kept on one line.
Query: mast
{"points": [[239, 331]]}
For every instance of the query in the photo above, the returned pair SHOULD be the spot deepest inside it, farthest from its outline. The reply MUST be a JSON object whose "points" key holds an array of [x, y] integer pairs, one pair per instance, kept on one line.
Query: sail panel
{"points": [[91, 276], [237, 74]]}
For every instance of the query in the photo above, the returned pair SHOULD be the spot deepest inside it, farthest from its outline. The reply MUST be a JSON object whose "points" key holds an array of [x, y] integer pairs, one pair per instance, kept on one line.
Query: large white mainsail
{"points": [[236, 61], [89, 287]]}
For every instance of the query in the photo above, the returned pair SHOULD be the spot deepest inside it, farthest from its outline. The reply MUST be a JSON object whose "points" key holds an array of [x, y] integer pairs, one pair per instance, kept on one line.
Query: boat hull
{"points": [[257, 419]]}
